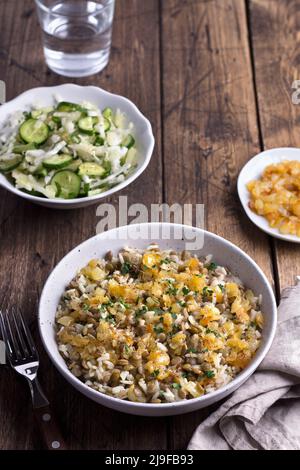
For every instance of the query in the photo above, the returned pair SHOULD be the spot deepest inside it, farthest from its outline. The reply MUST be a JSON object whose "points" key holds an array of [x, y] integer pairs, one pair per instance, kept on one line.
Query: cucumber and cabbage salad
{"points": [[68, 150]]}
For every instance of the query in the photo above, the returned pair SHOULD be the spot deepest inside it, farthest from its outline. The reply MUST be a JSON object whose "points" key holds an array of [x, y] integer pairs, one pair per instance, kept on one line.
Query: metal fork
{"points": [[23, 358]]}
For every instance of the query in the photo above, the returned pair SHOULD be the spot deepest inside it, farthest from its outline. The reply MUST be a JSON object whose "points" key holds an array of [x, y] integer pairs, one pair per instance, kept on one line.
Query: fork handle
{"points": [[49, 429], [39, 399]]}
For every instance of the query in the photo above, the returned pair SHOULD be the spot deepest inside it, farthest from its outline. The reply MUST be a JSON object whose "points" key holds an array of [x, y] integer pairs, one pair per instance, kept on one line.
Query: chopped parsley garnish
{"points": [[103, 307], [85, 307], [206, 292], [158, 311], [125, 268], [141, 311], [208, 330], [174, 315], [192, 350], [211, 266], [155, 373], [185, 290], [161, 395], [176, 385], [111, 319], [209, 374], [185, 375], [158, 329], [175, 329], [121, 301], [166, 261], [127, 348], [182, 303], [222, 287], [172, 290]]}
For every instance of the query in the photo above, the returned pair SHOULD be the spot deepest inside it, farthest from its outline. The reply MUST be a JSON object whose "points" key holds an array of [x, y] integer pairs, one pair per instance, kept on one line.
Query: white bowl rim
{"points": [[56, 89], [242, 376], [258, 220]]}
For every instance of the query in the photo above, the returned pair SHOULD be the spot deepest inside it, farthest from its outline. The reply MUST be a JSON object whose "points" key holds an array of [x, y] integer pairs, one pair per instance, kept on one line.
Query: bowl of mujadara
{"points": [[142, 320]]}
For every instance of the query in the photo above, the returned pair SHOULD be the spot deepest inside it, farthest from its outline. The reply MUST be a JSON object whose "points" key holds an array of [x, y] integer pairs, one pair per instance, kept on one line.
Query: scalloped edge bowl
{"points": [[44, 96]]}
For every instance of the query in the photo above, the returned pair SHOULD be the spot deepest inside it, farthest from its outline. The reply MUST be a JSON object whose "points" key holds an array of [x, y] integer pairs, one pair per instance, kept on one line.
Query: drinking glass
{"points": [[76, 35]]}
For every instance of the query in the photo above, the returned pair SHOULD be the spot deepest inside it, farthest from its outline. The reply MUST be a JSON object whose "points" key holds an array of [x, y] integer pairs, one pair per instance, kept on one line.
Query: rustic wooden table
{"points": [[215, 79]]}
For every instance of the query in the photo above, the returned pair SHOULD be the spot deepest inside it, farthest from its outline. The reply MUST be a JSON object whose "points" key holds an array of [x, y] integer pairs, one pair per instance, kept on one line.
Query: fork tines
{"points": [[16, 336]]}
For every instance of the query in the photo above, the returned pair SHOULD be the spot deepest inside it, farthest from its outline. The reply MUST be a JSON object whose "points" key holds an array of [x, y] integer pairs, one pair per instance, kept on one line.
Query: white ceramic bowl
{"points": [[224, 252], [252, 171], [75, 93]]}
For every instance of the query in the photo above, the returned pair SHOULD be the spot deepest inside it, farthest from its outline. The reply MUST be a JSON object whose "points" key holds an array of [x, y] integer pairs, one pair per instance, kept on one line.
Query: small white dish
{"points": [[76, 94], [224, 253], [252, 171]]}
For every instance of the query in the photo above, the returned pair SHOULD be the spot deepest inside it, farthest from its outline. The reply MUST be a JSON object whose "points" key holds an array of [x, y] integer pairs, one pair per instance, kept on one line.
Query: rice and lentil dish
{"points": [[157, 326]]}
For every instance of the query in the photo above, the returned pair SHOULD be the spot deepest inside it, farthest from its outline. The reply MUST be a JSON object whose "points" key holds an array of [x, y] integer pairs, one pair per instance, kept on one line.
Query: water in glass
{"points": [[77, 36]]}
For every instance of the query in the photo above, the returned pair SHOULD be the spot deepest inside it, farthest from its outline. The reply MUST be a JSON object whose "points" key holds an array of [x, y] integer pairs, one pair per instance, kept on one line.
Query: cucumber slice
{"points": [[107, 167], [74, 165], [107, 113], [22, 148], [106, 124], [75, 138], [99, 141], [57, 161], [131, 156], [91, 169], [86, 124], [84, 190], [34, 131], [128, 141], [11, 164], [41, 172], [56, 120], [66, 107], [67, 183]]}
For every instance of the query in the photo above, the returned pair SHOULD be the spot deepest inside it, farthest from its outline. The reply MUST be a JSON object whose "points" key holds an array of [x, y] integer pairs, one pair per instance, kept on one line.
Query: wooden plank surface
{"points": [[209, 127], [33, 239], [275, 38]]}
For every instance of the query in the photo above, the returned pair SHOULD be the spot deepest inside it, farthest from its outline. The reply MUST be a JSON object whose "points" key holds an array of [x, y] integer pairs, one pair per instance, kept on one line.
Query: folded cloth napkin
{"points": [[264, 413]]}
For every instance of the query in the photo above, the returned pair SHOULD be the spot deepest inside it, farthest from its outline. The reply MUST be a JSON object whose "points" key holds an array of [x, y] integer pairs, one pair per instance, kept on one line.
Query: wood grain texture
{"points": [[209, 126], [276, 51], [33, 239]]}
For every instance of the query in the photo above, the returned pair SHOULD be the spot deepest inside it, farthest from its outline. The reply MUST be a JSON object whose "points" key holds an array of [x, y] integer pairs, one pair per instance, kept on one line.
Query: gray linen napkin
{"points": [[264, 413]]}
